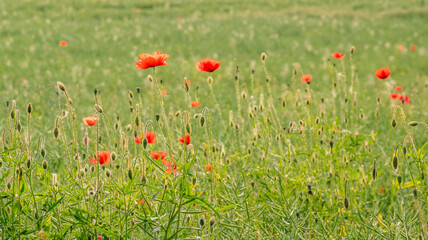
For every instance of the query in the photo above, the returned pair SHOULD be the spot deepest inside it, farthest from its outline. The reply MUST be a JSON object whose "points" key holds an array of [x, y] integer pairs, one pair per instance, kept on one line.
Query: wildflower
{"points": [[142, 200], [99, 238], [90, 121], [382, 73], [338, 55], [185, 139], [188, 82], [208, 167], [151, 60], [169, 168], [138, 10], [398, 88], [63, 43], [195, 104], [413, 47], [400, 47], [207, 65], [179, 19], [157, 155], [163, 92], [104, 157], [306, 78], [394, 95], [150, 136]]}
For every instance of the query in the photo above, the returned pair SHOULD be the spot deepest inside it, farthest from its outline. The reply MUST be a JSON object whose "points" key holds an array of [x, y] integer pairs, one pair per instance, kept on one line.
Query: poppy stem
{"points": [[157, 84]]}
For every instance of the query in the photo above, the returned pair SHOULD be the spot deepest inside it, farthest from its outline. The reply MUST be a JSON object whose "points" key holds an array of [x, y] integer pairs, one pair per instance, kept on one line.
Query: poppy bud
{"points": [[18, 126], [399, 179], [12, 114], [82, 173], [28, 163], [157, 117], [43, 152], [212, 221], [130, 95], [70, 101], [137, 121], [108, 173], [210, 80], [237, 127], [346, 203], [98, 108], [29, 108], [295, 72], [393, 123], [352, 50], [415, 193], [244, 95], [138, 90], [9, 185], [130, 174], [331, 144], [188, 128], [395, 162], [317, 120], [56, 132], [374, 173], [128, 127], [263, 57], [413, 123], [92, 169], [319, 132], [202, 121], [145, 143], [150, 78], [202, 221], [61, 86]]}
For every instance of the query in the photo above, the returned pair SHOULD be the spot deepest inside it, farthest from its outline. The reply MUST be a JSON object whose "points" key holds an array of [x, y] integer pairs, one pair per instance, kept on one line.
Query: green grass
{"points": [[262, 166]]}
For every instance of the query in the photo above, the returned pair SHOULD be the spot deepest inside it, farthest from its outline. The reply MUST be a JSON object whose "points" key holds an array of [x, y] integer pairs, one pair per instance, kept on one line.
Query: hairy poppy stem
{"points": [[156, 81]]}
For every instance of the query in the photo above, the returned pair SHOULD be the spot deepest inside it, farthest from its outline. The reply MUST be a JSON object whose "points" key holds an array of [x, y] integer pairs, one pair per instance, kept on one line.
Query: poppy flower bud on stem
{"points": [[210, 80], [352, 50], [98, 108], [212, 221], [61, 86], [29, 108], [263, 57], [202, 221], [413, 123], [150, 78]]}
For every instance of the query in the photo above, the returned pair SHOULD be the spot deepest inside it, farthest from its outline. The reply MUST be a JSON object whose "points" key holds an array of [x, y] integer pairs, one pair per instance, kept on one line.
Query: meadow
{"points": [[311, 125]]}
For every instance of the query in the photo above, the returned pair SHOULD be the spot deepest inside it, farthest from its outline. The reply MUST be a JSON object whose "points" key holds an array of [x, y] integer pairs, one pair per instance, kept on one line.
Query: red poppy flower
{"points": [[22, 79], [405, 100], [90, 121], [338, 55], [63, 43], [413, 48], [306, 78], [188, 82], [394, 95], [398, 88], [137, 10], [151, 60], [400, 47], [99, 238], [157, 155], [207, 65], [142, 200], [151, 138], [169, 168], [93, 160], [208, 167], [185, 139], [104, 157], [179, 19], [163, 92], [195, 104], [382, 73]]}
